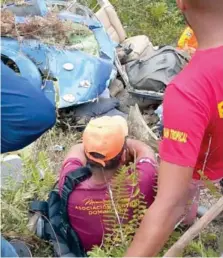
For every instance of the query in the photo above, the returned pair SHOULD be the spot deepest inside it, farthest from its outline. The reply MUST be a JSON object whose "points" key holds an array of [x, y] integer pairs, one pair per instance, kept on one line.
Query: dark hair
{"points": [[110, 164]]}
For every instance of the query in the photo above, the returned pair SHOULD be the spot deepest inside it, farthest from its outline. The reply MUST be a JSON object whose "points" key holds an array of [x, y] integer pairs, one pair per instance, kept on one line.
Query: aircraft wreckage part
{"points": [[39, 8], [26, 67], [91, 78], [87, 70], [30, 8], [49, 91], [106, 46], [80, 77]]}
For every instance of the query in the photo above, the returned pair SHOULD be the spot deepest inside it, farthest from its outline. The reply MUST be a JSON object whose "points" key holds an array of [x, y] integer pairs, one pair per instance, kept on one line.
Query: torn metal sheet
{"points": [[50, 61], [27, 68], [80, 75]]}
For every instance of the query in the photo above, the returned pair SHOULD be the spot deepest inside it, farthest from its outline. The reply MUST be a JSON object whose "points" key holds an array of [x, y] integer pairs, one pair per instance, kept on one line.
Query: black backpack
{"points": [[153, 73], [55, 226]]}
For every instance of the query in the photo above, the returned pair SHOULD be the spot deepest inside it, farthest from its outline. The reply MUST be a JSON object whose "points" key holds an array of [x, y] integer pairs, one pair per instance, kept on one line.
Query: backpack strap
{"points": [[72, 180], [66, 241]]}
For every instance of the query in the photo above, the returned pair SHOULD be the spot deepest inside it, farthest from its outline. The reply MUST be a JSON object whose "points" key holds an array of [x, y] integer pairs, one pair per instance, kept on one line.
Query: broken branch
{"points": [[194, 230]]}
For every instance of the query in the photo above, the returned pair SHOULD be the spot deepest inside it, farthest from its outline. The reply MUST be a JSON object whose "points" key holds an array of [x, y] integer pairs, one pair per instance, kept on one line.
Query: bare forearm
{"points": [[156, 227], [164, 213]]}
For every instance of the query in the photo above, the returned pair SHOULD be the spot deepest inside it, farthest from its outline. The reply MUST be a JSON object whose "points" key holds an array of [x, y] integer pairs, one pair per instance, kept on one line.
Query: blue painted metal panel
{"points": [[89, 75], [50, 61], [26, 67], [106, 45]]}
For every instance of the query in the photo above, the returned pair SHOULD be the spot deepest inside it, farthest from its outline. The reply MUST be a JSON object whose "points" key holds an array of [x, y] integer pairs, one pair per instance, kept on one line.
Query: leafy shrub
{"points": [[125, 199], [15, 200], [160, 20]]}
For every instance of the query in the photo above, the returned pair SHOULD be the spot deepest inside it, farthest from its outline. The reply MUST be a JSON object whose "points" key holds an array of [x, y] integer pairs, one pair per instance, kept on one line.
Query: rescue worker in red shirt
{"points": [[193, 128]]}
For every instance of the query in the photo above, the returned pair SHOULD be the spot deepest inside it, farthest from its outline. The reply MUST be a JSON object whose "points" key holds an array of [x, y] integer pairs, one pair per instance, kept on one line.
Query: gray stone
{"points": [[11, 166]]}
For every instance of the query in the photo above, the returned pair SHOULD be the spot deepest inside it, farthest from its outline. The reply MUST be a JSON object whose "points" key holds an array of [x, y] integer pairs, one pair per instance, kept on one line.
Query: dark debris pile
{"points": [[49, 29]]}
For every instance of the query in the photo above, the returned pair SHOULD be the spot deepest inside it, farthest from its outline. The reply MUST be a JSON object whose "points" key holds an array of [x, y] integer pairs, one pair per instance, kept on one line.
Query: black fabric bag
{"points": [[153, 73]]}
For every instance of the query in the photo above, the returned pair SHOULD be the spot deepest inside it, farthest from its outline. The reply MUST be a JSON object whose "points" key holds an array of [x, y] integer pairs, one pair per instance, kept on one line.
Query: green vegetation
{"points": [[160, 20], [157, 19], [15, 200]]}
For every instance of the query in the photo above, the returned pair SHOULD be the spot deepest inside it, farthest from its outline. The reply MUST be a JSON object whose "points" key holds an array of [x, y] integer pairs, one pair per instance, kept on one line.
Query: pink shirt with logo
{"points": [[88, 201]]}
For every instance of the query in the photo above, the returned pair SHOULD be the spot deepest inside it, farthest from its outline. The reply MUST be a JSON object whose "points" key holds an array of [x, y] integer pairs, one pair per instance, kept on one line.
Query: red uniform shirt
{"points": [[193, 116]]}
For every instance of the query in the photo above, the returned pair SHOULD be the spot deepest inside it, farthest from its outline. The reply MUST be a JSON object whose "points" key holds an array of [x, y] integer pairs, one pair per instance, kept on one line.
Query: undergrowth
{"points": [[16, 197], [160, 20], [15, 200], [128, 206], [203, 246], [119, 232]]}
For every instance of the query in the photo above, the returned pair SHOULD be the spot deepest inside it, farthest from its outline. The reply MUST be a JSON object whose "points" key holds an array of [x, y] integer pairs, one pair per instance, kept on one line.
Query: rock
{"points": [[11, 166], [116, 87]]}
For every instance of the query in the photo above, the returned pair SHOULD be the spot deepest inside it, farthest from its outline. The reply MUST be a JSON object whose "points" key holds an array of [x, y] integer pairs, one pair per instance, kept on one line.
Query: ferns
{"points": [[126, 201]]}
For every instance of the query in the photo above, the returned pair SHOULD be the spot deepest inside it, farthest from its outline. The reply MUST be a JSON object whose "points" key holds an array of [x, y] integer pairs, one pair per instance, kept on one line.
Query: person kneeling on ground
{"points": [[104, 150]]}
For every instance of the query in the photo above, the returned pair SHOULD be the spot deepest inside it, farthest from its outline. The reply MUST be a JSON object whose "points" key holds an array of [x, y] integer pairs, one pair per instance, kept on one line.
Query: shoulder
{"points": [[146, 165], [70, 165], [76, 152], [72, 162], [193, 86], [202, 72]]}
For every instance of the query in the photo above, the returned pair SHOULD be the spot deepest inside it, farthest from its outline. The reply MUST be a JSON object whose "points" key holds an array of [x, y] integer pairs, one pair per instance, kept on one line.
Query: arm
{"points": [[25, 112], [164, 213], [139, 149], [185, 121], [74, 159], [77, 152]]}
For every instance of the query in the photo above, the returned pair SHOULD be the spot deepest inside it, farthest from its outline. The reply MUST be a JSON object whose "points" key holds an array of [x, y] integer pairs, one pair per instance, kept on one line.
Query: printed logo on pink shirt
{"points": [[97, 207]]}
